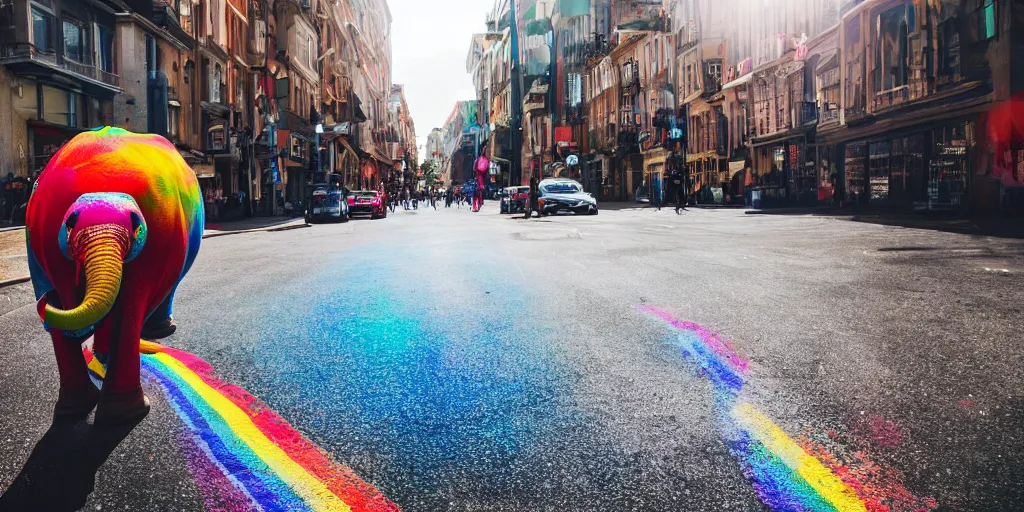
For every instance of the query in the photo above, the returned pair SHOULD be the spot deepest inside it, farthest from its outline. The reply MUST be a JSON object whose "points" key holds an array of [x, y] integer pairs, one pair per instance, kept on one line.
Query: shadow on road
{"points": [[61, 471], [948, 222]]}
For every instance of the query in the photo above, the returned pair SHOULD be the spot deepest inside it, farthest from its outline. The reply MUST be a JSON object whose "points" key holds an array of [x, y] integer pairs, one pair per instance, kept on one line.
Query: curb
{"points": [[255, 230], [11, 228], [25, 279], [16, 280]]}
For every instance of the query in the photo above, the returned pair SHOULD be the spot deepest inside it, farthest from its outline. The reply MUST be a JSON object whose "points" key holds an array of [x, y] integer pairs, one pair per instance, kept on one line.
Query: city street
{"points": [[635, 360]]}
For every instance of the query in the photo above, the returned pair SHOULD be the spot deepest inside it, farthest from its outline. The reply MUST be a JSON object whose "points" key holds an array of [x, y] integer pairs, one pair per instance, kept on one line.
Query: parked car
{"points": [[513, 199], [327, 203], [642, 195], [367, 202], [563, 194]]}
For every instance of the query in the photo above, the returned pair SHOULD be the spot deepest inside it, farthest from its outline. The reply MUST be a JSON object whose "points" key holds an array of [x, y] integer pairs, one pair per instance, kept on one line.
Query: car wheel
{"points": [[594, 211], [344, 217]]}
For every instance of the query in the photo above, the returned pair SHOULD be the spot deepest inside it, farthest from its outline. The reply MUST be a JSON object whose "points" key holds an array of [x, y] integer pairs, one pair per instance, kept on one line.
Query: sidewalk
{"points": [[14, 263], [252, 223], [1000, 227]]}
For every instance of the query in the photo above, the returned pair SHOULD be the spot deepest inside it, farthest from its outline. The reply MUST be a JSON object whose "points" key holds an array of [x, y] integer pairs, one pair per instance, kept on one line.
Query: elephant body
{"points": [[137, 194]]}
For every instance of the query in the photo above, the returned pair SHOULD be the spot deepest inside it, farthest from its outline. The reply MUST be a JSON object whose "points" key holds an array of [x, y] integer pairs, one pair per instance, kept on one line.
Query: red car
{"points": [[367, 202]]}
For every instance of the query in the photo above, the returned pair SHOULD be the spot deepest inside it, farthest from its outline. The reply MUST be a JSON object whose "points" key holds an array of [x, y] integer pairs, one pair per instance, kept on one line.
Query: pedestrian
{"points": [[656, 192], [533, 199], [678, 190]]}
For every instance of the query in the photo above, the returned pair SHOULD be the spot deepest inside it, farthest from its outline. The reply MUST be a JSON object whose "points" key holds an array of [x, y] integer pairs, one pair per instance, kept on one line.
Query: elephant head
{"points": [[100, 233]]}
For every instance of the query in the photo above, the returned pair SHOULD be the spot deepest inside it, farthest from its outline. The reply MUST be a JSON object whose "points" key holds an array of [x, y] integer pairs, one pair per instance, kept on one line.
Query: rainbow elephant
{"points": [[113, 225]]}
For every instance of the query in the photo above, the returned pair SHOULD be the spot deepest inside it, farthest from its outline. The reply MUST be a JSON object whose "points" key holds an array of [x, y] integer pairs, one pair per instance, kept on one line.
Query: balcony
{"points": [[829, 113], [891, 98], [26, 57]]}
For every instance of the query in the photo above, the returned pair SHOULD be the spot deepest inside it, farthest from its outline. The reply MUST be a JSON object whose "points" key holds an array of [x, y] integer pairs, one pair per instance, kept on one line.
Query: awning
{"points": [[738, 82], [348, 147], [296, 124], [735, 167], [827, 60]]}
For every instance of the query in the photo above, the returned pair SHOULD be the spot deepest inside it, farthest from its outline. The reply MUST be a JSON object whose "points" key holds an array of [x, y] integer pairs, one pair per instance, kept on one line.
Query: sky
{"points": [[429, 43]]}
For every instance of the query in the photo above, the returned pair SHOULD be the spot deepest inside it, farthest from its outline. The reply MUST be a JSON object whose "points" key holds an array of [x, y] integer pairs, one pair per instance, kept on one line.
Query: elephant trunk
{"points": [[101, 250]]}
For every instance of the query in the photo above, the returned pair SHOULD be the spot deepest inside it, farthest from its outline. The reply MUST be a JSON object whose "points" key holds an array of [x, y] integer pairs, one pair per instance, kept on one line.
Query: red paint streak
{"points": [[966, 404], [882, 432], [712, 340], [881, 489], [358, 494]]}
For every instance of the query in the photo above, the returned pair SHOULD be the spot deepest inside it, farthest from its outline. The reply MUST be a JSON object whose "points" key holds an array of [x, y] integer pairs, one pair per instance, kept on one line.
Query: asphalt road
{"points": [[635, 360]]}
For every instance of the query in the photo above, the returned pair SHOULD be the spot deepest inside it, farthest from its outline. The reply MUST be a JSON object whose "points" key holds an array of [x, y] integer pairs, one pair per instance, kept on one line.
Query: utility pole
{"points": [[516, 79]]}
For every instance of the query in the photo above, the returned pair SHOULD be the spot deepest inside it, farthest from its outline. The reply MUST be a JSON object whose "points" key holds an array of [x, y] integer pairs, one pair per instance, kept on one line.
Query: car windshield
{"points": [[366, 196], [562, 188]]}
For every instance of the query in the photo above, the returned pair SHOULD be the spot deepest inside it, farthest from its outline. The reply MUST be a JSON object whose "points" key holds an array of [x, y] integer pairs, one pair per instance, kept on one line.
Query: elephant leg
{"points": [[122, 400], [160, 324], [77, 396]]}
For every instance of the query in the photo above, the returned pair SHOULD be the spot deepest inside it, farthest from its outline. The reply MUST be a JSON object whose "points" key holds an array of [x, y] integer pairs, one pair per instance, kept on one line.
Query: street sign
{"points": [[274, 173], [572, 160]]}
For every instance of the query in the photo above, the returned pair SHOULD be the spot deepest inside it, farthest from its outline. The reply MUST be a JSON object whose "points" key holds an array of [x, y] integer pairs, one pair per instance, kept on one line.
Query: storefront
{"points": [[922, 169]]}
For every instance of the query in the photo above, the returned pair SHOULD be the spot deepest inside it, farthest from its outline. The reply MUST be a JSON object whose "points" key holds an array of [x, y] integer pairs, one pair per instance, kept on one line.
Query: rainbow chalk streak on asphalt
{"points": [[784, 475], [250, 458]]}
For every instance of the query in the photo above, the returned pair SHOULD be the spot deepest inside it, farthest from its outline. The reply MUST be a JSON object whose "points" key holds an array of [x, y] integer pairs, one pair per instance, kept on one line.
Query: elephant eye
{"points": [[72, 219]]}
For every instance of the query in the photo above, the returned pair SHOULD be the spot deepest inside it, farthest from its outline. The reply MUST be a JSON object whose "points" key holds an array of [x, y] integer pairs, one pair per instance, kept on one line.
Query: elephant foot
{"points": [[122, 408], [75, 404], [158, 330]]}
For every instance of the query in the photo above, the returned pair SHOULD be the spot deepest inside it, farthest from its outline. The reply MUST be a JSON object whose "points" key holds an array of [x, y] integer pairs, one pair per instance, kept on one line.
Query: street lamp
{"points": [[319, 129]]}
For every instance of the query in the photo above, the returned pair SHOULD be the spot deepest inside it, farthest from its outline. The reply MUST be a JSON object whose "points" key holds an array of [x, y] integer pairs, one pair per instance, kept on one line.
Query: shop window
{"points": [[950, 165], [880, 173], [75, 42], [42, 30], [58, 106], [856, 155]]}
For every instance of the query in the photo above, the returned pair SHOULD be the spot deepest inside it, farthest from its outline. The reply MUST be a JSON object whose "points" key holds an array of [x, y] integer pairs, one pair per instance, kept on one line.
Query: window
{"points": [[985, 19], [72, 109], [215, 80], [74, 41], [106, 49], [310, 52], [715, 74], [151, 64], [42, 30], [173, 118]]}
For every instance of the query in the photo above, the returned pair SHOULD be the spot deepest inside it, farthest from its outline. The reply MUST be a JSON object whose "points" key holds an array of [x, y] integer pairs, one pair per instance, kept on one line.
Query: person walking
{"points": [[678, 190], [533, 199], [656, 192]]}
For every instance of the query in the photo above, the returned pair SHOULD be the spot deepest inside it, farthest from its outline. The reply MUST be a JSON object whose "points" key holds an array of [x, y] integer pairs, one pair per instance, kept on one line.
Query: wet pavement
{"points": [[638, 360]]}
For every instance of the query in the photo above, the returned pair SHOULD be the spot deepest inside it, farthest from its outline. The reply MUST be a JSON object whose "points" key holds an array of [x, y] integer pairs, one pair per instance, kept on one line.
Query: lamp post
{"points": [[319, 130]]}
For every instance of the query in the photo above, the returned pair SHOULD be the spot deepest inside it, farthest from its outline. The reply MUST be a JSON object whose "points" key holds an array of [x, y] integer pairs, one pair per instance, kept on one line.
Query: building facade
{"points": [[263, 98]]}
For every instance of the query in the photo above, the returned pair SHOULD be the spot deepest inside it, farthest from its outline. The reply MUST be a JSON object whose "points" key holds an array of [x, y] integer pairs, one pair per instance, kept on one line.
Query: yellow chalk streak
{"points": [[820, 478], [316, 495], [97, 368], [149, 347]]}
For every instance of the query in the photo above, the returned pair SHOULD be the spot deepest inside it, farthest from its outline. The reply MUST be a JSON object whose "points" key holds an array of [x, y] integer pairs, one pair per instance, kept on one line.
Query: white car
{"points": [[563, 194]]}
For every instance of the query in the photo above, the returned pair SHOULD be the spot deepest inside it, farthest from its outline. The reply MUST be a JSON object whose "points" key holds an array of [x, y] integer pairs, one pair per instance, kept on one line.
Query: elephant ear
{"points": [[65, 230], [139, 232]]}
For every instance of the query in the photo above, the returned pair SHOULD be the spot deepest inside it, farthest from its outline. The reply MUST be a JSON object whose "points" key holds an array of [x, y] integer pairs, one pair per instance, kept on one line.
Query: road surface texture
{"points": [[635, 360]]}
